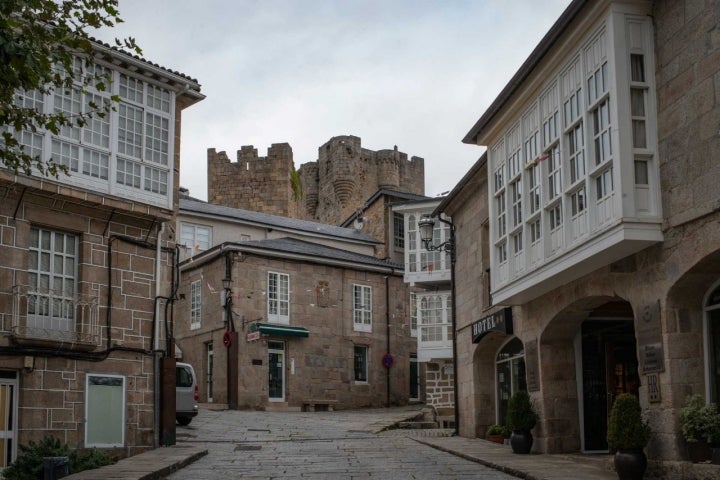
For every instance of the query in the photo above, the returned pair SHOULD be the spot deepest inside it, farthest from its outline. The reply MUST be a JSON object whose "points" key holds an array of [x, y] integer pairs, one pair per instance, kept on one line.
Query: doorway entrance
{"points": [[276, 371], [8, 417], [210, 360], [609, 368]]}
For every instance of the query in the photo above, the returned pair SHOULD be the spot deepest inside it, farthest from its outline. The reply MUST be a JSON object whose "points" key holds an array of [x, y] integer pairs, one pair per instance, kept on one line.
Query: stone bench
{"points": [[319, 405]]}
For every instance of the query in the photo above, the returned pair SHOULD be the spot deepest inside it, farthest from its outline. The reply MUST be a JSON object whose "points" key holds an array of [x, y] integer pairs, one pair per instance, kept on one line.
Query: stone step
{"points": [[417, 425]]}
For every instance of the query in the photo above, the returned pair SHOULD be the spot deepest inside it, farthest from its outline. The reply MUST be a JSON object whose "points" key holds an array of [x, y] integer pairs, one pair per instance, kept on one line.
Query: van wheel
{"points": [[184, 421]]}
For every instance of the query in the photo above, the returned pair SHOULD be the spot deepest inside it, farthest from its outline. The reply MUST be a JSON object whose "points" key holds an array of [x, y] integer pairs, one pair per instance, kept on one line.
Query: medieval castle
{"points": [[328, 191]]}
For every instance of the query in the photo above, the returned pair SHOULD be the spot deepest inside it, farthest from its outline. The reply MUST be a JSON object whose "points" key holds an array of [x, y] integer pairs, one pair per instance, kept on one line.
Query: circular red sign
{"points": [[388, 360], [227, 339]]}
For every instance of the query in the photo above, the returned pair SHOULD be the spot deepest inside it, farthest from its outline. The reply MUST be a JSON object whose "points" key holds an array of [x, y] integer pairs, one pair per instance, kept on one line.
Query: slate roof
{"points": [[301, 247], [378, 194], [188, 205]]}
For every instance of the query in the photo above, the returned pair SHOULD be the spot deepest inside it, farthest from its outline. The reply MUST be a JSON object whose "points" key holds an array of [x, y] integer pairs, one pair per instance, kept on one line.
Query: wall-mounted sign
{"points": [[653, 386], [500, 321], [252, 336], [652, 358]]}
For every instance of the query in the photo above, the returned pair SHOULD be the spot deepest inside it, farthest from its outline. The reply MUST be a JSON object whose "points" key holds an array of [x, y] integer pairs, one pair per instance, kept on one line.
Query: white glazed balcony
{"points": [[49, 318]]}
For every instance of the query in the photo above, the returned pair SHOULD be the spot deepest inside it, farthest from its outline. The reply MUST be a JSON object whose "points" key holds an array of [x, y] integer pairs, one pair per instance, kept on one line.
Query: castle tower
{"points": [[344, 176], [255, 183]]}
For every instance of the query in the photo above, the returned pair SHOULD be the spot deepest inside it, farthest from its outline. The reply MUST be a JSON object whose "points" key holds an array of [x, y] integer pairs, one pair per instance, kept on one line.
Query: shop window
{"points": [[509, 375]]}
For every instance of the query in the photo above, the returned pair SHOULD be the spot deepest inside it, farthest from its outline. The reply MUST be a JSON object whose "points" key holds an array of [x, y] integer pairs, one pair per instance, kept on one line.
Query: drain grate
{"points": [[246, 448]]}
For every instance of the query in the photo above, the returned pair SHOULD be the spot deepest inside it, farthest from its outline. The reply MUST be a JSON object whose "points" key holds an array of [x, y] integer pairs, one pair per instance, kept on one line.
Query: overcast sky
{"points": [[411, 73]]}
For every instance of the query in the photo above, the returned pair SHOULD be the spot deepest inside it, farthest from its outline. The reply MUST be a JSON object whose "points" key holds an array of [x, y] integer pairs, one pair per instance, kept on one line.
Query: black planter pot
{"points": [[630, 464], [521, 441], [699, 452]]}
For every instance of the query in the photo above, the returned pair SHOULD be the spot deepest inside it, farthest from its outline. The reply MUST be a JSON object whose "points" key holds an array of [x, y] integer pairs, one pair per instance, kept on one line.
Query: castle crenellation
{"points": [[333, 187]]}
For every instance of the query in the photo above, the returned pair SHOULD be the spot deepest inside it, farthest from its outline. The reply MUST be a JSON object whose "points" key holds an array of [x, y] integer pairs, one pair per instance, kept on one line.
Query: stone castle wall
{"points": [[333, 187], [254, 183]]}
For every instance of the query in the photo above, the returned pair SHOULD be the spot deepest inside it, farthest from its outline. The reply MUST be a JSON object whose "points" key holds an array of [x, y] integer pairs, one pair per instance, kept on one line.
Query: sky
{"points": [[413, 73]]}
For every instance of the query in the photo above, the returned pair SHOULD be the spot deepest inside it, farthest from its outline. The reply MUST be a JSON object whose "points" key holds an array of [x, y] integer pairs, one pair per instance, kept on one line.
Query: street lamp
{"points": [[427, 228], [227, 283]]}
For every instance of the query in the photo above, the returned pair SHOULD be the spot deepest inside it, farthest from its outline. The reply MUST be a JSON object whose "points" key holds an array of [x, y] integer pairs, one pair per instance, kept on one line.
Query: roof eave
{"points": [[545, 45]]}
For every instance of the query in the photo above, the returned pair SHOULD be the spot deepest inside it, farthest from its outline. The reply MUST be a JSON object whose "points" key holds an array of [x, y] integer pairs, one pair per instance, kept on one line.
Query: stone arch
{"points": [[684, 323], [558, 357], [485, 405]]}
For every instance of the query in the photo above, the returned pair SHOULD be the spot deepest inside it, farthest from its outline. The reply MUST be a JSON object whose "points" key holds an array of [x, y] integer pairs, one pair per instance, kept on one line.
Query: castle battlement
{"points": [[343, 177]]}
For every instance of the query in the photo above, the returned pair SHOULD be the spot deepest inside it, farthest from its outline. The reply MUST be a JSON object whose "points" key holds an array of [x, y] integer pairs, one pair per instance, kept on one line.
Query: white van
{"points": [[186, 393]]}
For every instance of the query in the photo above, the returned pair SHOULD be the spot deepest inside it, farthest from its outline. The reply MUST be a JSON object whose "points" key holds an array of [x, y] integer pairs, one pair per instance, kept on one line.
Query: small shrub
{"points": [[521, 414], [494, 430], [29, 463], [698, 421], [87, 461], [626, 428]]}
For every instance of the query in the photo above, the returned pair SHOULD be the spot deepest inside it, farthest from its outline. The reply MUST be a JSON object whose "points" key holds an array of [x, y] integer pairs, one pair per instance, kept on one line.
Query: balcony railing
{"points": [[50, 318]]}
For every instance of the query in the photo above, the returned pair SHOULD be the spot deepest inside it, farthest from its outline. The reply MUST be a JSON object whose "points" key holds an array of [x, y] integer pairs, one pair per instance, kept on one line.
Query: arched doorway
{"points": [[609, 367], [587, 357], [509, 375]]}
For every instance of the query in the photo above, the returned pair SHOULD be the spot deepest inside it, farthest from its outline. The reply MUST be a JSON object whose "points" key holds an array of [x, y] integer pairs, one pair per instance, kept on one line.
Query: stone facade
{"points": [[52, 382], [319, 369], [86, 274], [654, 300], [333, 187]]}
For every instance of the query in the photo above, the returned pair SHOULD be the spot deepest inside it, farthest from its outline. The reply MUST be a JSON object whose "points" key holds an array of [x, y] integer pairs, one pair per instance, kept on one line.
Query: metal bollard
{"points": [[55, 467]]}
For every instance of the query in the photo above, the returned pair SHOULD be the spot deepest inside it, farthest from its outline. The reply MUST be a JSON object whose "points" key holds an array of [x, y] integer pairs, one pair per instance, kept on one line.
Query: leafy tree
{"points": [[44, 44]]}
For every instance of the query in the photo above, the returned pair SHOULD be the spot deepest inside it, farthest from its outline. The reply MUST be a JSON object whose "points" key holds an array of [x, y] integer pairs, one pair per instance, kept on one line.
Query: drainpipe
{"points": [[156, 346], [387, 334]]}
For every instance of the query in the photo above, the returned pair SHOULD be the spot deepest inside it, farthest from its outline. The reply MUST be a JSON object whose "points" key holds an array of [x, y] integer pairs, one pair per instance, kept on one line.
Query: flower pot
{"points": [[521, 441], [496, 438], [630, 464]]}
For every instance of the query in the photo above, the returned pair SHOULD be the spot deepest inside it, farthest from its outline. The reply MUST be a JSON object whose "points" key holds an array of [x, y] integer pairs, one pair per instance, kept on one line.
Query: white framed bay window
{"points": [[126, 151]]}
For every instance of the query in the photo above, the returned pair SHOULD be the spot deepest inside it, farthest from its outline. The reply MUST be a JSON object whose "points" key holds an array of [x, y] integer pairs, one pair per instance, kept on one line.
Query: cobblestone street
{"points": [[318, 445]]}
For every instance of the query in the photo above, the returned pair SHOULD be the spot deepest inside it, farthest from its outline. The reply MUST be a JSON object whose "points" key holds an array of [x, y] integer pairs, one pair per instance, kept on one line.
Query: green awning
{"points": [[279, 330]]}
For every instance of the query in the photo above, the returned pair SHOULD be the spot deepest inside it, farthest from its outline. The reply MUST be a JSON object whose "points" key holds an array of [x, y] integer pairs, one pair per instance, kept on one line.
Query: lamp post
{"points": [[426, 226]]}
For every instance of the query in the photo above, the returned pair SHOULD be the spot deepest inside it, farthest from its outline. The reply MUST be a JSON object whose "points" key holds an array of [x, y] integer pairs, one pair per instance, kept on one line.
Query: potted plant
{"points": [[628, 434], [521, 418], [494, 433], [700, 426]]}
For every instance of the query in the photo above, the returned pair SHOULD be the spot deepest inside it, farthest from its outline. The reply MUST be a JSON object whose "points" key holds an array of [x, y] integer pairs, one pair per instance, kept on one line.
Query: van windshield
{"points": [[183, 378]]}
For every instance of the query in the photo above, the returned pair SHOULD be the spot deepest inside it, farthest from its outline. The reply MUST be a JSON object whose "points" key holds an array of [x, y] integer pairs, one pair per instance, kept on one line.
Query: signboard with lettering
{"points": [[252, 336], [653, 386], [500, 321], [652, 358]]}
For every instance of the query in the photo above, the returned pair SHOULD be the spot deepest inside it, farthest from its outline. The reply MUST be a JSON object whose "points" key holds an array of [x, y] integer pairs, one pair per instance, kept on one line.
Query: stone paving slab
{"points": [[530, 467], [150, 465]]}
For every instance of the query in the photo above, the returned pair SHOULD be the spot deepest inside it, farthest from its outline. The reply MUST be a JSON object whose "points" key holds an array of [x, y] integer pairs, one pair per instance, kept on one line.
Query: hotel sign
{"points": [[500, 321]]}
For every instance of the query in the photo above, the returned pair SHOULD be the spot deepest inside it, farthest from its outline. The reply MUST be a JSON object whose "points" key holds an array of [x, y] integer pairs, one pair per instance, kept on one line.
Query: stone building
{"points": [[332, 188], [312, 316], [597, 213], [86, 266]]}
